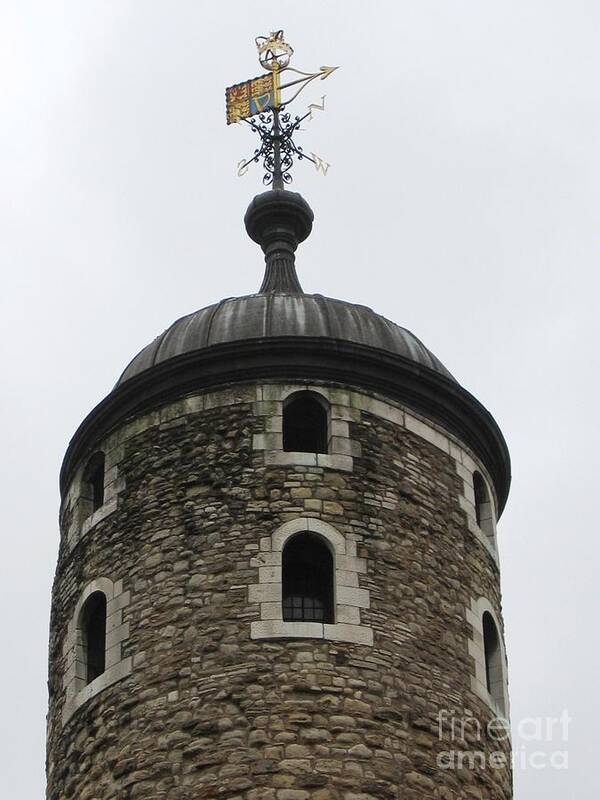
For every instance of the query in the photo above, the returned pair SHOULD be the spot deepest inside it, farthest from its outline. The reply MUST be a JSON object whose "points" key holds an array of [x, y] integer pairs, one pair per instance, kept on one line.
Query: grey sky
{"points": [[462, 203]]}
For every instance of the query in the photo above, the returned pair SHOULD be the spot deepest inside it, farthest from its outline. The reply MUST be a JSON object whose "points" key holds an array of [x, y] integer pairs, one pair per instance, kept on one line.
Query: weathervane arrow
{"points": [[324, 72], [259, 103]]}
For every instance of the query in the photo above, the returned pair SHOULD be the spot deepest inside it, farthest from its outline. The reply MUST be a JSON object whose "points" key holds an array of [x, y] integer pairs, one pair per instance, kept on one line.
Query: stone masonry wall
{"points": [[206, 711]]}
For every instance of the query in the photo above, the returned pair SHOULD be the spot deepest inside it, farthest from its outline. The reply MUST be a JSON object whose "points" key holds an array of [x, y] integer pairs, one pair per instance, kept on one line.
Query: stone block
{"points": [[117, 635], [279, 391], [379, 408], [339, 428], [282, 458], [343, 463], [455, 451], [113, 655], [194, 404], [344, 413], [269, 575], [274, 424], [300, 492], [468, 492], [118, 603], [464, 473], [350, 596], [264, 408], [313, 505], [114, 619], [267, 441], [351, 563], [264, 592], [339, 445], [467, 506], [271, 611], [113, 456], [274, 629], [349, 614], [266, 559], [358, 634], [427, 432], [346, 578]]}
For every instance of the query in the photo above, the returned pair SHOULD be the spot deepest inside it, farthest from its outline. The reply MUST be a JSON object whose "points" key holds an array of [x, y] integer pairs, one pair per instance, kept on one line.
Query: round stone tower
{"points": [[278, 576]]}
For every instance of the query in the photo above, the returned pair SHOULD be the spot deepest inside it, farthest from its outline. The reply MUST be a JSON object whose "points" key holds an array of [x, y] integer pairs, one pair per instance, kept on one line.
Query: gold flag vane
{"points": [[261, 103]]}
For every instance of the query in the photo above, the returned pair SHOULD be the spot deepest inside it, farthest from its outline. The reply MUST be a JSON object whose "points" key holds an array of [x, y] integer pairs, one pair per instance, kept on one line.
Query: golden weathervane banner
{"points": [[251, 97]]}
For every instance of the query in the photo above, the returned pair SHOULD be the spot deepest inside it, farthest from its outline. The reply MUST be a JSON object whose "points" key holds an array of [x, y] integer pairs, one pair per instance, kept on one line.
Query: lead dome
{"points": [[265, 316]]}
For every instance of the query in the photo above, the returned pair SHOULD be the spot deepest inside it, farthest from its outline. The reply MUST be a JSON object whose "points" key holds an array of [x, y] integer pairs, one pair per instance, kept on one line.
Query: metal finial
{"points": [[278, 221], [259, 103]]}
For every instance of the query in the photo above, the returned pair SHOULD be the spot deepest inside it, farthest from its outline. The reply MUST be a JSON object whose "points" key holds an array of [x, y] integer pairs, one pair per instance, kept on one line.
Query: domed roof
{"points": [[267, 316]]}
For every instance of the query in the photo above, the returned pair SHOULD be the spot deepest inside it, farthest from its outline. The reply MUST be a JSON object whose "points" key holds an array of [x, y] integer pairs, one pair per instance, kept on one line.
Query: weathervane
{"points": [[259, 103]]}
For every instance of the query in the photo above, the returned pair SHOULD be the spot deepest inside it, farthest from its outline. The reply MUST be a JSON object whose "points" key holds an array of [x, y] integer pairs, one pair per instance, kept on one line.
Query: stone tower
{"points": [[278, 575]]}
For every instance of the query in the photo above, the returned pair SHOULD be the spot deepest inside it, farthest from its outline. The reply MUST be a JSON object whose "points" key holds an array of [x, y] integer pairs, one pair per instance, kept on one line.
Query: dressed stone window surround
{"points": [[348, 599], [341, 449], [485, 529], [77, 691], [84, 518], [498, 677]]}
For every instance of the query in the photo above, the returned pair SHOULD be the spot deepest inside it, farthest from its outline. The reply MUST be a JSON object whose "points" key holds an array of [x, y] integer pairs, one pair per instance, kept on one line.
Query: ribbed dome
{"points": [[265, 316]]}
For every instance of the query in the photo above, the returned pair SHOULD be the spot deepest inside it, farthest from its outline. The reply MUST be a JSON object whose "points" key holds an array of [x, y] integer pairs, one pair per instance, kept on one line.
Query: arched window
{"points": [[305, 423], [93, 480], [307, 580], [483, 506], [493, 659], [93, 635]]}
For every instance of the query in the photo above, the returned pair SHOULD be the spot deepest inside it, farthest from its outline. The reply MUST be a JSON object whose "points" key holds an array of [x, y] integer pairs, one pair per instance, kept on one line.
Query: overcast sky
{"points": [[462, 202]]}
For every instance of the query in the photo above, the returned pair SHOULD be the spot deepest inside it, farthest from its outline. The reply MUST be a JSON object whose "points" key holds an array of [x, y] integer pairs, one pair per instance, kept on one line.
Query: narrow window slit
{"points": [[94, 481], [493, 660], [93, 629], [483, 507]]}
